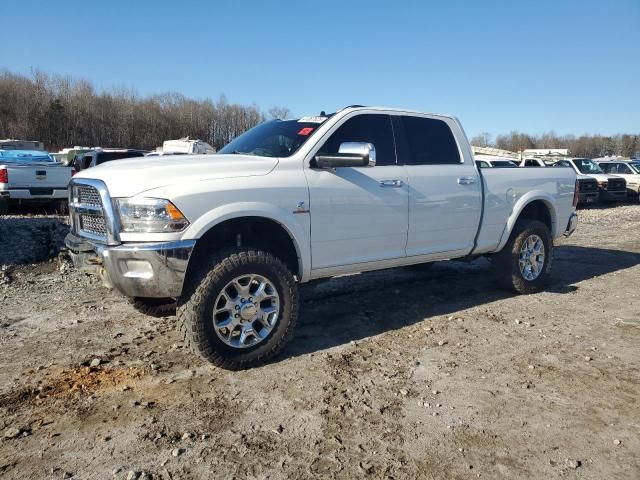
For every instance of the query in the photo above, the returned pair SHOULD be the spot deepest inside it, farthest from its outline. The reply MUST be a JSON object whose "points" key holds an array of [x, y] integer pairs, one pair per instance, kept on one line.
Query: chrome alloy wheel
{"points": [[531, 259], [246, 311]]}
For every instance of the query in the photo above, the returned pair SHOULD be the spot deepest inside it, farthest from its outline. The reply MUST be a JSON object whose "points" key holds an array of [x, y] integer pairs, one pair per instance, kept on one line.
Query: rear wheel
{"points": [[524, 264], [239, 308], [4, 206]]}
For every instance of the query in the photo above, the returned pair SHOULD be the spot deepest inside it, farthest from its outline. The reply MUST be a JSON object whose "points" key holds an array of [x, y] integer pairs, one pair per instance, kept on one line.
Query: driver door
{"points": [[358, 214]]}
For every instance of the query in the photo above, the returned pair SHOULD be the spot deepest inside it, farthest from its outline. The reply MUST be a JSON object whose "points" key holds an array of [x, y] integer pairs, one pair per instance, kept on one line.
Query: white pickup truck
{"points": [[229, 236], [32, 175]]}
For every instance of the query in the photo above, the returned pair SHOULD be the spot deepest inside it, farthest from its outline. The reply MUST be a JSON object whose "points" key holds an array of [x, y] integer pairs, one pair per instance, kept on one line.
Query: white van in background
{"points": [[183, 146]]}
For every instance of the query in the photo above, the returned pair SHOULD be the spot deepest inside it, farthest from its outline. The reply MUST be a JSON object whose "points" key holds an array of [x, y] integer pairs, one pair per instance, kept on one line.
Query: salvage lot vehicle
{"points": [[535, 162], [483, 161], [626, 169], [230, 235], [97, 157], [32, 176], [611, 188]]}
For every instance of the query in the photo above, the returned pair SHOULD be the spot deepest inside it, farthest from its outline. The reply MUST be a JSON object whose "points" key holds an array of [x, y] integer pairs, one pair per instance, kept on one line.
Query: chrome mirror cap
{"points": [[365, 149]]}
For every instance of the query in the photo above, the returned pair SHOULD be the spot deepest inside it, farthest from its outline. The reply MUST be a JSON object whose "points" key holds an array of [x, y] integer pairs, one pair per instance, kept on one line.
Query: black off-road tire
{"points": [[4, 206], [155, 307], [196, 306], [506, 262]]}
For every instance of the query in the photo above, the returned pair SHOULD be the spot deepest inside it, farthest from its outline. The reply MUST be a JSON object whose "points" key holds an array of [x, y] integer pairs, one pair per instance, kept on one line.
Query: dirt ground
{"points": [[393, 374]]}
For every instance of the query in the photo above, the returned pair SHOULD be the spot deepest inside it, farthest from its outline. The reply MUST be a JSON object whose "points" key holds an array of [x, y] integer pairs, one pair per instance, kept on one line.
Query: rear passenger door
{"points": [[445, 195]]}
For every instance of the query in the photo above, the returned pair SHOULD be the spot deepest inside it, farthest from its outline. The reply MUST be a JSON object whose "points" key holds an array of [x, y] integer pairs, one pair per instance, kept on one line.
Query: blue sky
{"points": [[534, 66]]}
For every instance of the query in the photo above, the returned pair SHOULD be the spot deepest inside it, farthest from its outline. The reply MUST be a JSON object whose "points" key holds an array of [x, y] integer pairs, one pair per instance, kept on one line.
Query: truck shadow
{"points": [[354, 307]]}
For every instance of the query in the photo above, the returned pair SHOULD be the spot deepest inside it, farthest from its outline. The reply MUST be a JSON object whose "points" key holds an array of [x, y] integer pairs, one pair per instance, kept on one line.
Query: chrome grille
{"points": [[88, 195], [87, 212], [93, 224]]}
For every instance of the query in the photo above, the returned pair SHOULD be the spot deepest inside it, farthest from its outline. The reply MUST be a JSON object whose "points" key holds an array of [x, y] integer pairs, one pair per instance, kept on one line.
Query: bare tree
{"points": [[280, 113], [482, 140]]}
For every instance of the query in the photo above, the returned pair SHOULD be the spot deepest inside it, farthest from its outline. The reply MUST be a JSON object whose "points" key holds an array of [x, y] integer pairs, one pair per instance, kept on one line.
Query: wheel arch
{"points": [[533, 206], [260, 226]]}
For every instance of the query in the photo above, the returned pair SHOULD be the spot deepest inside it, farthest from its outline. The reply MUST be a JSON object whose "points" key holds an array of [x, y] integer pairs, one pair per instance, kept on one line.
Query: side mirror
{"points": [[350, 154]]}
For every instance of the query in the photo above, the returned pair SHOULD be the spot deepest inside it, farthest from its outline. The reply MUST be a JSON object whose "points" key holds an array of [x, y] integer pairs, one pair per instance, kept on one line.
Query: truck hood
{"points": [[600, 177], [129, 177]]}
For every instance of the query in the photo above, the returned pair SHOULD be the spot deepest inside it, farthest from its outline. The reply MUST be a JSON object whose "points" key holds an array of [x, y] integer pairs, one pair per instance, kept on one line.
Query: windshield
{"points": [[276, 138], [587, 166], [635, 166]]}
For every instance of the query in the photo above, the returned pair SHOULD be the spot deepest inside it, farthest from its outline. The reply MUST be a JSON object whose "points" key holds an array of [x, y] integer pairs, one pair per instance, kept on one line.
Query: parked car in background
{"points": [[9, 144], [104, 155], [185, 145], [629, 170], [610, 187], [231, 235], [66, 156], [32, 176], [483, 161], [535, 162]]}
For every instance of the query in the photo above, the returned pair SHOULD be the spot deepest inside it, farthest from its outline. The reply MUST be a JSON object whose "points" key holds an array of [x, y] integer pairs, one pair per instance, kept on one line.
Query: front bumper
{"points": [[154, 270], [590, 197], [45, 193], [608, 196], [572, 224]]}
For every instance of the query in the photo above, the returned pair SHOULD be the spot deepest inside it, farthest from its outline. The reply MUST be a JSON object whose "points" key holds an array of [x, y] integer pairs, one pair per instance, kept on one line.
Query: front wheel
{"points": [[524, 264], [239, 308]]}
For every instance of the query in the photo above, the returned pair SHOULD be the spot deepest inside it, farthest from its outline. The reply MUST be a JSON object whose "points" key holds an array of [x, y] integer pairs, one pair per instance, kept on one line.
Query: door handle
{"points": [[391, 183], [466, 180]]}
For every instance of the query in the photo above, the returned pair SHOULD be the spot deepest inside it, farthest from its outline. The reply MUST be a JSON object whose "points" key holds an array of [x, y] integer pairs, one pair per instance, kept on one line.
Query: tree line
{"points": [[588, 146], [62, 112]]}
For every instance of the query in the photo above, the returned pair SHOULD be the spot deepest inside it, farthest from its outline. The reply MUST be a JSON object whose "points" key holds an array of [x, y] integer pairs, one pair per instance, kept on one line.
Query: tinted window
{"points": [[430, 142], [371, 128], [103, 157], [482, 164], [531, 163], [85, 162], [503, 164]]}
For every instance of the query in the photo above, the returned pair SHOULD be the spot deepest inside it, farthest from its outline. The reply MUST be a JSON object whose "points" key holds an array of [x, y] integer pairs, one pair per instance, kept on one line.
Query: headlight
{"points": [[149, 215]]}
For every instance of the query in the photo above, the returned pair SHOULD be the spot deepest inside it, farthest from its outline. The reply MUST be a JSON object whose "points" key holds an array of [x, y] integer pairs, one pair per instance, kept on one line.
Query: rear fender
{"points": [[529, 197]]}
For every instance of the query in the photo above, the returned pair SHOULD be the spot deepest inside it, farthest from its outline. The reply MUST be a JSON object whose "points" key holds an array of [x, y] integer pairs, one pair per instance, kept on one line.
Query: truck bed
{"points": [[506, 189]]}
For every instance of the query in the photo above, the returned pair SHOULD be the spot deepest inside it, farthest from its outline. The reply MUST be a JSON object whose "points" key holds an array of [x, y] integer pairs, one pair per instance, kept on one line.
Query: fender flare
{"points": [[284, 218], [521, 204]]}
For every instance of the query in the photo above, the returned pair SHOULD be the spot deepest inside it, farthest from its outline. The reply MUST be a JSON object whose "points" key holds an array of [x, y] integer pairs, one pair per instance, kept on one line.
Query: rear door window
{"points": [[430, 142]]}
